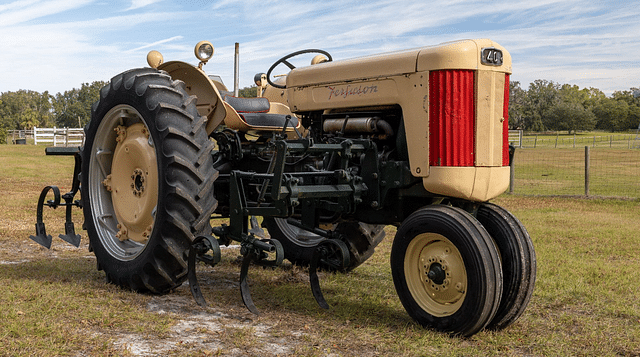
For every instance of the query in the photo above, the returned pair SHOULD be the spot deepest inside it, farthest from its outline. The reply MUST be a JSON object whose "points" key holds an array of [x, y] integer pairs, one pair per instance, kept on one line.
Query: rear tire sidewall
{"points": [[161, 264]]}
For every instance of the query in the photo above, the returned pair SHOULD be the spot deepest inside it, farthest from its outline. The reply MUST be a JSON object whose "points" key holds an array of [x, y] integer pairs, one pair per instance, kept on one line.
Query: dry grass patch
{"points": [[55, 302]]}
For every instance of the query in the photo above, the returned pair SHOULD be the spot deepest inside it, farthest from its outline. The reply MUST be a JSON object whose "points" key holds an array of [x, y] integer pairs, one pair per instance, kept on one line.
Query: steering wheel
{"points": [[284, 61]]}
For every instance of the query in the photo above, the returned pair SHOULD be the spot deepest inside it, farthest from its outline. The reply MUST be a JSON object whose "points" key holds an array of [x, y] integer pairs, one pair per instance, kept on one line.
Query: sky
{"points": [[56, 45]]}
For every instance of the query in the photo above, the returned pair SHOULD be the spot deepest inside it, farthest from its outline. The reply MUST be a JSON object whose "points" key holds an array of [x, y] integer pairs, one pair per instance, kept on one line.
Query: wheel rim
{"points": [[435, 274], [123, 183]]}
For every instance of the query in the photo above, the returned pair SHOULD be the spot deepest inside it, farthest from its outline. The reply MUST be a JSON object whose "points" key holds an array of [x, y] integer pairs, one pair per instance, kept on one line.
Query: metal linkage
{"points": [[255, 250], [277, 193], [69, 235], [199, 247], [332, 255]]}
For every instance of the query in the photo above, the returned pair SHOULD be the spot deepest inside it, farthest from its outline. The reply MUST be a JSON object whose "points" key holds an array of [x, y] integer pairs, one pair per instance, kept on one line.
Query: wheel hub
{"points": [[436, 274], [133, 183]]}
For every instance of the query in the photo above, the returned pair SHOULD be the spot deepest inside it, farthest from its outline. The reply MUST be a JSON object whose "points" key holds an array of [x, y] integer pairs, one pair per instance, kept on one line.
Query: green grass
{"points": [[55, 302], [600, 139]]}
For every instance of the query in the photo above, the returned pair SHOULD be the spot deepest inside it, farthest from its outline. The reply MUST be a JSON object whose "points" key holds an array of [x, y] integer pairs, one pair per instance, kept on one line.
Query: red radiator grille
{"points": [[451, 118], [505, 124]]}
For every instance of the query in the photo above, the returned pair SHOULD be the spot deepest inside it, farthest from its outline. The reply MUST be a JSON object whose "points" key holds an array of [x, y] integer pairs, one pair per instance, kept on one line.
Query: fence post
{"points": [[520, 141], [587, 167]]}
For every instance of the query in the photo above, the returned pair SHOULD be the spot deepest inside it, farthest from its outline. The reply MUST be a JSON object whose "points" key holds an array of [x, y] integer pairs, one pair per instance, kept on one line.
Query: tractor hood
{"points": [[447, 55]]}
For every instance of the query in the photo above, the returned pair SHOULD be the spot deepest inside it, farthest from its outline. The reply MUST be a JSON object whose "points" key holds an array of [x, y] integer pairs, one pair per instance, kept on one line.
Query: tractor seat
{"points": [[254, 111]]}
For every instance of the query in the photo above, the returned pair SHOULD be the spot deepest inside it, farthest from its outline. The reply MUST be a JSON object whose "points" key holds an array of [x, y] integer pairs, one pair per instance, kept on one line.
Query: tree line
{"points": [[549, 106], [24, 109], [544, 106]]}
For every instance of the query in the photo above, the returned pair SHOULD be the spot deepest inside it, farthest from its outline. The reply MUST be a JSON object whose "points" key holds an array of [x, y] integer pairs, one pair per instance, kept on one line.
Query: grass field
{"points": [[55, 302], [547, 171], [619, 140]]}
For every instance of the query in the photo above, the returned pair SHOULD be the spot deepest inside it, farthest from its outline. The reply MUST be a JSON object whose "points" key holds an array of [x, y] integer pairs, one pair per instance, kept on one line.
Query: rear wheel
{"points": [[298, 244], [518, 262], [446, 270], [147, 180]]}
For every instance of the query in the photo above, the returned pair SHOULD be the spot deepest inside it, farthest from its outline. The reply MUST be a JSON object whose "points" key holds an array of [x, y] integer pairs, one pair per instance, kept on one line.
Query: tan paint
{"points": [[390, 79], [437, 298], [471, 183], [402, 78], [197, 83], [133, 183], [489, 118], [154, 59]]}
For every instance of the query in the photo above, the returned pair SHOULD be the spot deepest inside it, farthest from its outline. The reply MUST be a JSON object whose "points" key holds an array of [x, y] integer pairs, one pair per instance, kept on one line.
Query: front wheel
{"points": [[446, 270], [147, 180]]}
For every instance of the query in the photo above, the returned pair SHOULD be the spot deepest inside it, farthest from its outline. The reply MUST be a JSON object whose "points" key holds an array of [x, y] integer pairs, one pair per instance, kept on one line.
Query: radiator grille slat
{"points": [[451, 118]]}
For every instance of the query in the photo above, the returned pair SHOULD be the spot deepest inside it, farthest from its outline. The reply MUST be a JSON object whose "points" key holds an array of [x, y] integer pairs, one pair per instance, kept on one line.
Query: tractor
{"points": [[326, 155]]}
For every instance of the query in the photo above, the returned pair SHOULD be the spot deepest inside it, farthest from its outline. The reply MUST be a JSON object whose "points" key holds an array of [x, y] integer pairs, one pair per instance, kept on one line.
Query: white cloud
{"points": [[137, 4], [562, 40], [23, 11]]}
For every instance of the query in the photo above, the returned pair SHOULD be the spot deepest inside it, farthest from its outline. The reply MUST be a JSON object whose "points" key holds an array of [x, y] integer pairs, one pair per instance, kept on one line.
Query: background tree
{"points": [[73, 107], [248, 92], [611, 114], [541, 96], [633, 115], [570, 113], [517, 97], [25, 109]]}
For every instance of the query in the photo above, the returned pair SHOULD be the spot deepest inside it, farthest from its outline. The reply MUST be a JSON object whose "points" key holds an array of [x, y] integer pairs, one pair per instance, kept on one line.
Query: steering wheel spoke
{"points": [[284, 60]]}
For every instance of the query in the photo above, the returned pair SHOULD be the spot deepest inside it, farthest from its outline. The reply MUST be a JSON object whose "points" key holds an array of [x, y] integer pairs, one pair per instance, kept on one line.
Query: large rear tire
{"points": [[147, 180], [298, 244], [446, 270], [518, 262]]}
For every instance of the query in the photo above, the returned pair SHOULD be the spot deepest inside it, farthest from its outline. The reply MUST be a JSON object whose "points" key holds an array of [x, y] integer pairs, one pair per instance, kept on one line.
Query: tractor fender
{"points": [[197, 83]]}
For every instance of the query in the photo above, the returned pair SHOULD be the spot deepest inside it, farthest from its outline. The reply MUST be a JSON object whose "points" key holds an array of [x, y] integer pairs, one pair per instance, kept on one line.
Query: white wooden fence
{"points": [[59, 136]]}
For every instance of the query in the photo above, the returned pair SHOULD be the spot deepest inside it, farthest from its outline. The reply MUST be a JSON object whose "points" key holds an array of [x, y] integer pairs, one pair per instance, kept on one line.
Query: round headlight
{"points": [[204, 50]]}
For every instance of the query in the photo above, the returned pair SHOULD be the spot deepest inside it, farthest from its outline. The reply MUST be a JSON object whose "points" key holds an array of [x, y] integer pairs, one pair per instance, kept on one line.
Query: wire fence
{"points": [[620, 141], [592, 171]]}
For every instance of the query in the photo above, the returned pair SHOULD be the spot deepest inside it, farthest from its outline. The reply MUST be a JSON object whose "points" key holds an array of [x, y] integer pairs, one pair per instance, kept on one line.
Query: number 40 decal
{"points": [[491, 56]]}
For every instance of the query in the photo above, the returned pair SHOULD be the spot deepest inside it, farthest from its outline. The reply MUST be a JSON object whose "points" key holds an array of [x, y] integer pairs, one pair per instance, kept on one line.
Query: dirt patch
{"points": [[207, 331]]}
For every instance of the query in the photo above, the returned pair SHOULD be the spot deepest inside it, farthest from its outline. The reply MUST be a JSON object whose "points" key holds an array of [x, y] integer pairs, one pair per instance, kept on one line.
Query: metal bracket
{"points": [[69, 235]]}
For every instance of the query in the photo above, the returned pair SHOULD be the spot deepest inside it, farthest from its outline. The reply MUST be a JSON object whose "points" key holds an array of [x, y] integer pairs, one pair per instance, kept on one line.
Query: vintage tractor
{"points": [[327, 155]]}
